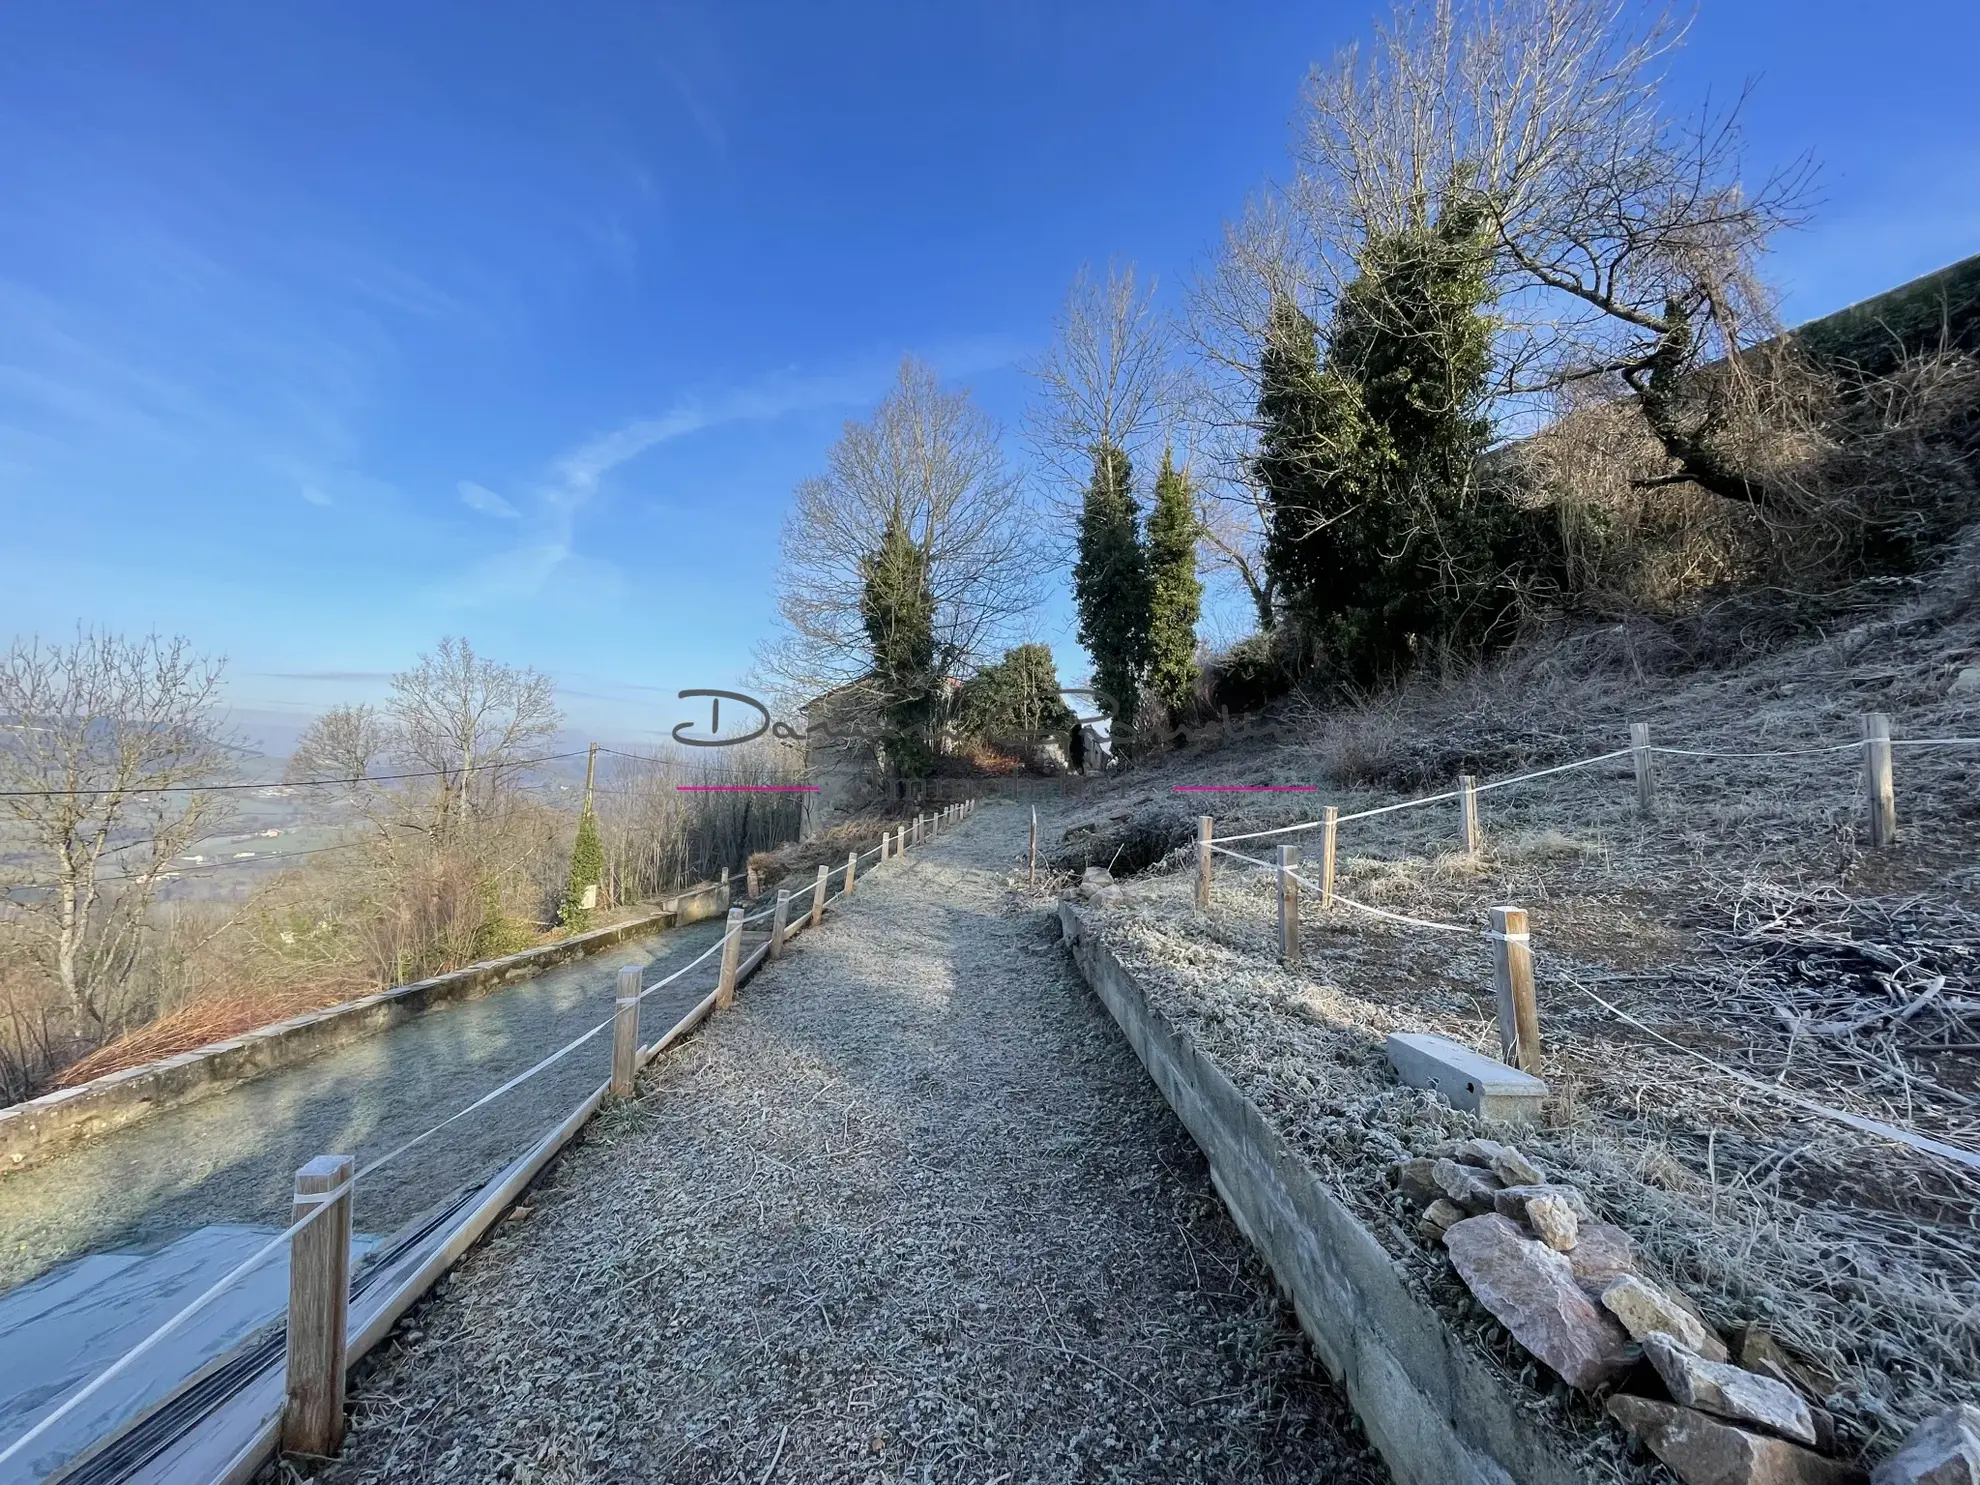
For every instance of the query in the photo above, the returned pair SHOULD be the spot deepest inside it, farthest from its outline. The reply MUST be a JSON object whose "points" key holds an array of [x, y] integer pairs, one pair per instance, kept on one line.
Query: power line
{"points": [[362, 778]]}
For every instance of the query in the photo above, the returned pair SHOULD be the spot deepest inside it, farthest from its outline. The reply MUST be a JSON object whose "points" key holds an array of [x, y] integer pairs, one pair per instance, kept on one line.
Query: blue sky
{"points": [[327, 330]]}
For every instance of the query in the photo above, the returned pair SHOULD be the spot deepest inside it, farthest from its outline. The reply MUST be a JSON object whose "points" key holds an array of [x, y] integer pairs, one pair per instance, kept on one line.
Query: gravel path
{"points": [[910, 1211], [233, 1158]]}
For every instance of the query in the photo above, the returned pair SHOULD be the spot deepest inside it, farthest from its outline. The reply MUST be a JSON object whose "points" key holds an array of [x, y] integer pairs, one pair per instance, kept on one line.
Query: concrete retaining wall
{"points": [[1428, 1404], [44, 1126]]}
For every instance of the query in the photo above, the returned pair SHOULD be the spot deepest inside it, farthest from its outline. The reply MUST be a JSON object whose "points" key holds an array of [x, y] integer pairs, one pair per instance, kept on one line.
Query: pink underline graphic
{"points": [[1244, 788], [747, 788]]}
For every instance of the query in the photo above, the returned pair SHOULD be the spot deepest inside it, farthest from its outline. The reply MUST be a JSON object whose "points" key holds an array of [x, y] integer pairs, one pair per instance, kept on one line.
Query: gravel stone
{"points": [[911, 1210]]}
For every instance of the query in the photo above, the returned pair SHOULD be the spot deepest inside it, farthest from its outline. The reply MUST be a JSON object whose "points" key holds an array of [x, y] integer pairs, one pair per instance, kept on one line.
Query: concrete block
{"points": [[1438, 1415], [1468, 1079]]}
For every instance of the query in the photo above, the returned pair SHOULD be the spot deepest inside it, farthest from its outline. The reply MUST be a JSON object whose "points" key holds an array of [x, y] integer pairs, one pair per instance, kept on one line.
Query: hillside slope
{"points": [[1699, 970]]}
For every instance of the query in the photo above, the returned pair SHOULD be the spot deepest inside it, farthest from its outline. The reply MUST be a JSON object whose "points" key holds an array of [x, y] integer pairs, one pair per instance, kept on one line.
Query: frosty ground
{"points": [[910, 1211], [1745, 922]]}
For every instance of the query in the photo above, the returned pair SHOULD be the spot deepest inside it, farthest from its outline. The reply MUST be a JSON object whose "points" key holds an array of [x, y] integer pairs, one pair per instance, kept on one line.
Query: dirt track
{"points": [[910, 1211]]}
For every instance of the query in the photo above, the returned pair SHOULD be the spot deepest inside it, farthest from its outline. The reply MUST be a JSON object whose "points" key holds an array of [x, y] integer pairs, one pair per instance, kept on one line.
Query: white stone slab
{"points": [[1467, 1079]]}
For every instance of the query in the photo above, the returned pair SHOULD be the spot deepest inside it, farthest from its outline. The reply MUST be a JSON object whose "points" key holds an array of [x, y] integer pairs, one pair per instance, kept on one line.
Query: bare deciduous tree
{"points": [[1265, 259], [347, 743], [107, 740], [1231, 516], [473, 722], [1109, 379], [470, 724], [928, 460], [1623, 239]]}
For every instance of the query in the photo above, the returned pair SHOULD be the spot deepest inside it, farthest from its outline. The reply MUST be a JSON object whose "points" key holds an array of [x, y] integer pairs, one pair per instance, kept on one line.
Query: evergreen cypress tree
{"points": [[1430, 543], [1304, 427], [1175, 595], [897, 607], [1110, 587], [1382, 537], [587, 869], [1018, 696]]}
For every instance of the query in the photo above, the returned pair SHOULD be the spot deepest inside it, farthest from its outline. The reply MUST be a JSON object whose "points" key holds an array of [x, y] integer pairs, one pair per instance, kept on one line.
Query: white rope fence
{"points": [[1447, 795], [1894, 1132], [319, 1203], [1519, 939], [234, 1275], [1518, 1010]]}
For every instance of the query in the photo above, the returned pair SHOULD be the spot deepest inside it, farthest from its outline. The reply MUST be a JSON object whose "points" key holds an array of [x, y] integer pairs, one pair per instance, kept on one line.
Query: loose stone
{"points": [[1553, 1221], [1943, 1450], [1643, 1309], [1704, 1451], [1466, 1185], [1516, 1170], [1531, 1290], [1730, 1391], [1511, 1201], [1439, 1218]]}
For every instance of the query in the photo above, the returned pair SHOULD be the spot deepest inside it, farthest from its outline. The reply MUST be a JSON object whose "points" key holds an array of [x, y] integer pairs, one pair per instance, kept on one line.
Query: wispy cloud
{"points": [[315, 496], [485, 500], [548, 552]]}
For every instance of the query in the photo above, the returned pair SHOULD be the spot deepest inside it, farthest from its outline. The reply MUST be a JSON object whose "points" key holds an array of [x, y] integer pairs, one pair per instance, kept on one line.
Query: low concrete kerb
{"points": [[1428, 1404], [45, 1126]]}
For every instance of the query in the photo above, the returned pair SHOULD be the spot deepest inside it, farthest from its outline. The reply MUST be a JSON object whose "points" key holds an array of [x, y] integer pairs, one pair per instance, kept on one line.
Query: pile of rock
{"points": [[1575, 1294], [1097, 886]]}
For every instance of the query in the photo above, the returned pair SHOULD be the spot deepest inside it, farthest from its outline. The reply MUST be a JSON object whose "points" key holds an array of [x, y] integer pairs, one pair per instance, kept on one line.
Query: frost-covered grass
{"points": [[1746, 922]]}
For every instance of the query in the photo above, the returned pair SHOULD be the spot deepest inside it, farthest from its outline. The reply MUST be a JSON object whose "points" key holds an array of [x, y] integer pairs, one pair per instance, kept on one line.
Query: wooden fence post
{"points": [[1330, 827], [1205, 827], [1031, 877], [319, 1311], [725, 988], [723, 884], [1646, 778], [780, 922], [1512, 986], [852, 865], [1468, 804], [752, 883], [1288, 906], [818, 898], [625, 1031], [1877, 787]]}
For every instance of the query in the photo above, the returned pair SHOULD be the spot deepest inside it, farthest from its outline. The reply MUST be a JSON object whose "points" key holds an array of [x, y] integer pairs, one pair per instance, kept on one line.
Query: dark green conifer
{"points": [[1175, 595], [1110, 587]]}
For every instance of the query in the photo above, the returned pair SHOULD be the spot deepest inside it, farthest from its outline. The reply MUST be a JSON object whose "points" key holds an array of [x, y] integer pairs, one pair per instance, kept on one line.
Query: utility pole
{"points": [[590, 768]]}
